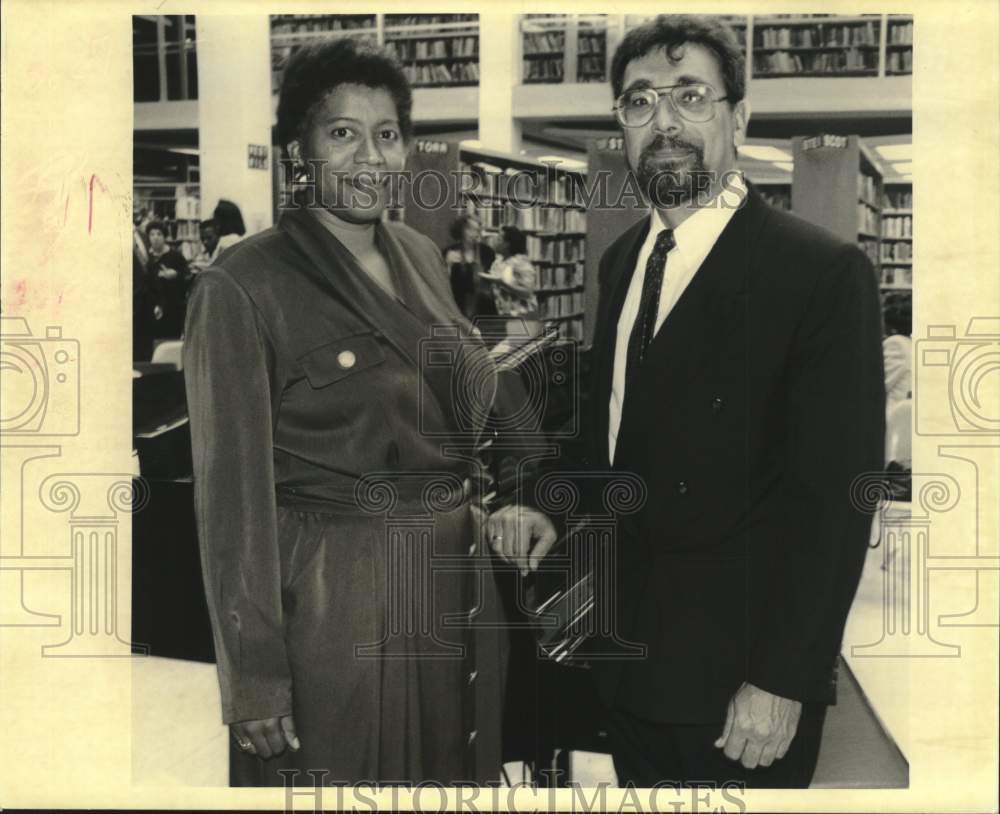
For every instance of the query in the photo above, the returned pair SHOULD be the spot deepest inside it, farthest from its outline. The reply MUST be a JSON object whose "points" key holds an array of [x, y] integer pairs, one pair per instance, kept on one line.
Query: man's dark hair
{"points": [[898, 315], [228, 219], [156, 224], [516, 241], [315, 70], [670, 30]]}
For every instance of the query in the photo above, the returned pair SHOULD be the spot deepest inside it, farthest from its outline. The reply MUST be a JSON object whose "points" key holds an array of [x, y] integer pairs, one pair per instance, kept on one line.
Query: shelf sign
{"points": [[433, 147], [613, 144], [257, 156], [815, 142]]}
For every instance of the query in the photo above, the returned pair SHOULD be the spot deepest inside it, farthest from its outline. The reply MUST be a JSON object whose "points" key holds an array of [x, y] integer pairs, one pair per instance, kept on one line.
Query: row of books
{"points": [[867, 219], [534, 219], [591, 43], [590, 69], [901, 33], [818, 35], [832, 62], [537, 186], [434, 49], [561, 305], [899, 62], [547, 249], [560, 276], [441, 74], [897, 252], [305, 23], [548, 42], [897, 226], [897, 276], [870, 248], [548, 219], [543, 70], [399, 20], [867, 187], [898, 199]]}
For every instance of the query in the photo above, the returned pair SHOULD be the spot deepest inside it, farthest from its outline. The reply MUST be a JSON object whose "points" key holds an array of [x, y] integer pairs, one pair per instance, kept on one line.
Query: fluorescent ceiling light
{"points": [[784, 165], [895, 152], [764, 152], [904, 168]]}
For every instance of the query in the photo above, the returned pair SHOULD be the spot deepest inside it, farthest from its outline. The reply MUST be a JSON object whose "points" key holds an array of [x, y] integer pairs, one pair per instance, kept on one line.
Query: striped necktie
{"points": [[649, 304]]}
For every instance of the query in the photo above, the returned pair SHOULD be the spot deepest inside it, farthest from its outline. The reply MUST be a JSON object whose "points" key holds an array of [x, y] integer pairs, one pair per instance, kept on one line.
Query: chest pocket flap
{"points": [[341, 358]]}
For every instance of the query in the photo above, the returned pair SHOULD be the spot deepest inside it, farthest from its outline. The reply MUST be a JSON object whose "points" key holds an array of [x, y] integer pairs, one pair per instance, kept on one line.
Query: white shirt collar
{"points": [[703, 227]]}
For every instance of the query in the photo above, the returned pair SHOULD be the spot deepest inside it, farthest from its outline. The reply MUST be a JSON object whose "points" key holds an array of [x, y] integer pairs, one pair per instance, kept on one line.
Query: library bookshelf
{"points": [[542, 200]]}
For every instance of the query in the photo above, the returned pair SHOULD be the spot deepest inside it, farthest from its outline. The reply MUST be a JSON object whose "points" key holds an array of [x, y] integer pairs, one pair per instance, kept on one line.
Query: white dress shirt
{"points": [[694, 239]]}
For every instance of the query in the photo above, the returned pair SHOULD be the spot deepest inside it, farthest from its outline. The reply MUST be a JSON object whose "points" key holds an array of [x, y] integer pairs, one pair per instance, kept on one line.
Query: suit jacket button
{"points": [[716, 404], [346, 359], [682, 487]]}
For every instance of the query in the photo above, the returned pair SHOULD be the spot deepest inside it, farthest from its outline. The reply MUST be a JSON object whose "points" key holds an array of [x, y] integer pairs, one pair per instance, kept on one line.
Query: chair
{"points": [[169, 352]]}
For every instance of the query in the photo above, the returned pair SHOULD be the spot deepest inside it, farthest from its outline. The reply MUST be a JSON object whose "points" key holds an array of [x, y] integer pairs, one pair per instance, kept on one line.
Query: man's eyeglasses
{"points": [[694, 103]]}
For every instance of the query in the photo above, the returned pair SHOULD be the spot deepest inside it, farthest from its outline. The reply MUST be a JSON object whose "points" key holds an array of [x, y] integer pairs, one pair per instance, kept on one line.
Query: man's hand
{"points": [[521, 536], [167, 273], [267, 737], [759, 726]]}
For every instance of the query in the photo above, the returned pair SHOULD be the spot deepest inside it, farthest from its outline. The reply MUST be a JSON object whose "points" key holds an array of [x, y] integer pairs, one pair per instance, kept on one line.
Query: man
{"points": [[737, 370], [208, 233]]}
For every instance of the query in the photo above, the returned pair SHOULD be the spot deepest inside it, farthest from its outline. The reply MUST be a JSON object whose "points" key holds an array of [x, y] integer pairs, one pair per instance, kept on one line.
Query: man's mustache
{"points": [[661, 143]]}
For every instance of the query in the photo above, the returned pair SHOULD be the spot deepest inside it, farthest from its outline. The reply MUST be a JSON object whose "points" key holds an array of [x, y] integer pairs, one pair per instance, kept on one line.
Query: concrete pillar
{"points": [[499, 72], [234, 112]]}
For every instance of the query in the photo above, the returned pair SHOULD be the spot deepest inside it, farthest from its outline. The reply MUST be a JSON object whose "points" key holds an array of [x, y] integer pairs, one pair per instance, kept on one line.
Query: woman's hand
{"points": [[267, 737], [521, 536]]}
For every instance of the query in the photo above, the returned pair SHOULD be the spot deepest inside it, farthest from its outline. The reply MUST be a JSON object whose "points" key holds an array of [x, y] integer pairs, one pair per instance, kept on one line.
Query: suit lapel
{"points": [[341, 275], [404, 324], [702, 321], [620, 267]]}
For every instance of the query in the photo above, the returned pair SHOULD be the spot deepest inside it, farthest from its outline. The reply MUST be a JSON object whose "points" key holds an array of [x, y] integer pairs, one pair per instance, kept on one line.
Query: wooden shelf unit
{"points": [[178, 207], [436, 50], [896, 256], [836, 184], [543, 201]]}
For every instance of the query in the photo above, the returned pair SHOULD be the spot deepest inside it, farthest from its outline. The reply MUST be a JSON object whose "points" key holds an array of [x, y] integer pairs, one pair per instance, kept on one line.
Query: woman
{"points": [[321, 417], [227, 221], [513, 277], [166, 282], [467, 258]]}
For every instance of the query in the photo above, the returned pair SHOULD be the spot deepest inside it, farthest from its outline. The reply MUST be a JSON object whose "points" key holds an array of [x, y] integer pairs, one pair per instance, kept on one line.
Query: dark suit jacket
{"points": [[759, 401]]}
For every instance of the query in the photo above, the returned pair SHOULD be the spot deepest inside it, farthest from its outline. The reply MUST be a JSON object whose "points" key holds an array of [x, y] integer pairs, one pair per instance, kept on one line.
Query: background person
{"points": [[167, 278], [466, 258], [229, 227]]}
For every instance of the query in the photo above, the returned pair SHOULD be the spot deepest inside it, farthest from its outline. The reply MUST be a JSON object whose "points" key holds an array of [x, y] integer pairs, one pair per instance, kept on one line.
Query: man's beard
{"points": [[668, 184]]}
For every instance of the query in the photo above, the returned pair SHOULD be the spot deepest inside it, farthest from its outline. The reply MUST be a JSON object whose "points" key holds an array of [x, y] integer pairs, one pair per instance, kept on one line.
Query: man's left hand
{"points": [[759, 726]]}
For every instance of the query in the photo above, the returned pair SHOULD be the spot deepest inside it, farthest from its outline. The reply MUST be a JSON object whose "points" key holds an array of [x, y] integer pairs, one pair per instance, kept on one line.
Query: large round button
{"points": [[682, 487], [346, 359]]}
